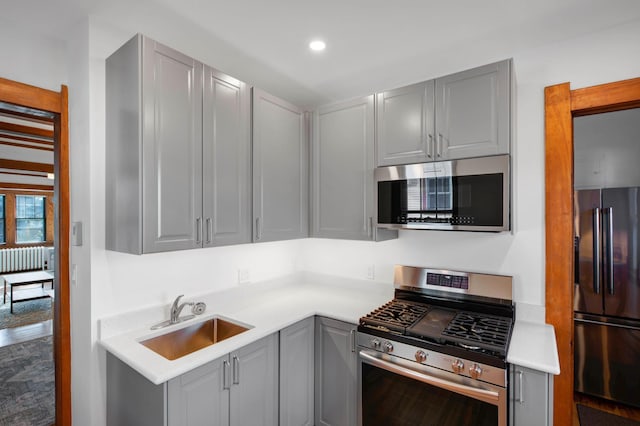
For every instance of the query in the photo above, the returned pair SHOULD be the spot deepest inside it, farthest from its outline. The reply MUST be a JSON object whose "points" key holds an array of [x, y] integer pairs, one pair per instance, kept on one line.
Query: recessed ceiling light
{"points": [[317, 45]]}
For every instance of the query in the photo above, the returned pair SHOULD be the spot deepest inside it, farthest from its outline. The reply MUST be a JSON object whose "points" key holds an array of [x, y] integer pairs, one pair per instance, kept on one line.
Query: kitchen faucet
{"points": [[176, 309]]}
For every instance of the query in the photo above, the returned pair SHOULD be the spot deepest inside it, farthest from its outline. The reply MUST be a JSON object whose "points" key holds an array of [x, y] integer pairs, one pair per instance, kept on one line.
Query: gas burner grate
{"points": [[483, 330], [395, 315]]}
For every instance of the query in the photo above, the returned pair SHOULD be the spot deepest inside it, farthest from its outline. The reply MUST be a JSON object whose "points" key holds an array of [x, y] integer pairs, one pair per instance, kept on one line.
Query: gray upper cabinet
{"points": [[174, 180], [154, 155], [280, 169], [296, 374], [467, 114], [336, 365], [226, 157], [342, 158], [473, 112], [405, 124], [342, 164]]}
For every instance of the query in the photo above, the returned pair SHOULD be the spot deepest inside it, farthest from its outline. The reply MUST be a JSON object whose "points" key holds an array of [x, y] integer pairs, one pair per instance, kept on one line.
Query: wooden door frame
{"points": [[57, 103], [561, 105]]}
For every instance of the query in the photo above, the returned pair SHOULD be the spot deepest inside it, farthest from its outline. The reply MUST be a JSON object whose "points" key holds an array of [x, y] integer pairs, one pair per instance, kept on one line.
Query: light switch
{"points": [[76, 233]]}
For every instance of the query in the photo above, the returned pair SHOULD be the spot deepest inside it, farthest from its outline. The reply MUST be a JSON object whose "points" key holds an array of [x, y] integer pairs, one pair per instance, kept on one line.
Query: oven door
{"points": [[394, 391]]}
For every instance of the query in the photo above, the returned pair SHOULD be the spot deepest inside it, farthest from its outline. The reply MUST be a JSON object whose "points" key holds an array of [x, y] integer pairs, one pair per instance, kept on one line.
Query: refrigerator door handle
{"points": [[596, 250], [609, 254]]}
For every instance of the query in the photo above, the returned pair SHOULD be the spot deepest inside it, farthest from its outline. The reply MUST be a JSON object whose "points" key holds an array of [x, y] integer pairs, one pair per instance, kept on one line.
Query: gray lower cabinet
{"points": [[531, 397], [297, 360], [238, 389], [178, 152], [462, 115], [335, 373], [280, 169], [342, 172]]}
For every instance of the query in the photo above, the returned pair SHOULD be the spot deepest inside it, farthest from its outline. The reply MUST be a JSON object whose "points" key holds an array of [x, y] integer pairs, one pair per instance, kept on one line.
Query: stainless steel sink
{"points": [[187, 340]]}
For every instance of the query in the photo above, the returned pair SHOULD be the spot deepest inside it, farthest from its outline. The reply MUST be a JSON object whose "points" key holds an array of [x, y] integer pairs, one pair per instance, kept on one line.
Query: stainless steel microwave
{"points": [[463, 195]]}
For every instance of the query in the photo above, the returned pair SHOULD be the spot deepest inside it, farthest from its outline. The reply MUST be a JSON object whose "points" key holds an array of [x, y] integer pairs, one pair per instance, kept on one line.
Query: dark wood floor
{"points": [[604, 405], [9, 336]]}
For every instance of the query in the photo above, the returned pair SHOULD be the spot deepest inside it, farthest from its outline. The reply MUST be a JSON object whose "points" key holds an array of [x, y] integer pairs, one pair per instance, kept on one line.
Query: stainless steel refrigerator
{"points": [[607, 294]]}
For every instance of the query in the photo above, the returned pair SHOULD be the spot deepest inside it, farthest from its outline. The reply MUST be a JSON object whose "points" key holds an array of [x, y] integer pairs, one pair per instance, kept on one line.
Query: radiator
{"points": [[21, 259]]}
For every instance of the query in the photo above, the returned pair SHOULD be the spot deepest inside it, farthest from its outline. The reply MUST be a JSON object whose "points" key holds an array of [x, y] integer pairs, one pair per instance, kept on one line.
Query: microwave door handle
{"points": [[484, 395], [609, 254], [596, 250]]}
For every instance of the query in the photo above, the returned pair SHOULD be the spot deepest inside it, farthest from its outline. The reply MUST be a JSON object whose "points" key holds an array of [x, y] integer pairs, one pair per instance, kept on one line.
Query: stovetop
{"points": [[429, 309], [469, 330]]}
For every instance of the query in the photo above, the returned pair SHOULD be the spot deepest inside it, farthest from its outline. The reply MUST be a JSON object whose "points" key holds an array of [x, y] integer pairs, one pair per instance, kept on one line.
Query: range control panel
{"points": [[444, 280]]}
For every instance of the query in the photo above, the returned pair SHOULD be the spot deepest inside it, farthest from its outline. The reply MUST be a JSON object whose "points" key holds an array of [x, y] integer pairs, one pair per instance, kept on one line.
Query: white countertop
{"points": [[270, 307], [533, 345]]}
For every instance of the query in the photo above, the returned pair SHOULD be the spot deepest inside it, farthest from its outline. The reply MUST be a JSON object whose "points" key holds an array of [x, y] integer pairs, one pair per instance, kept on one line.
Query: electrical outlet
{"points": [[243, 276], [371, 272]]}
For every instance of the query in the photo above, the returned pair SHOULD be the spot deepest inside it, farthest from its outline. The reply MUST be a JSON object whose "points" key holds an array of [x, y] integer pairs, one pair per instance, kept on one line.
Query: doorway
{"points": [[561, 105], [33, 103]]}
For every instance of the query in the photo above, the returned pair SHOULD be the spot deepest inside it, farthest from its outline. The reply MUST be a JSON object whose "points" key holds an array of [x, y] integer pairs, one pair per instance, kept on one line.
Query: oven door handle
{"points": [[479, 394]]}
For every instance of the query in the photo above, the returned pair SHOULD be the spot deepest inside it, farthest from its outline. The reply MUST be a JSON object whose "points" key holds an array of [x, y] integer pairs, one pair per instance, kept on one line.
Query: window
{"points": [[30, 219], [3, 239]]}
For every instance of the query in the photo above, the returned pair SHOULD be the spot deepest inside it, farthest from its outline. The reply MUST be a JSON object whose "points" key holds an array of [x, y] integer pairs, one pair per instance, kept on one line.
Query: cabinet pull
{"points": [[209, 230], [430, 146], [225, 375], [198, 230], [353, 340], [258, 230], [439, 147], [520, 387], [236, 370], [370, 227]]}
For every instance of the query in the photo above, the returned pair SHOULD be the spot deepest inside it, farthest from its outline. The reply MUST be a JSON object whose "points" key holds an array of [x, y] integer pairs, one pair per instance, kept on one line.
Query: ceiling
{"points": [[371, 44]]}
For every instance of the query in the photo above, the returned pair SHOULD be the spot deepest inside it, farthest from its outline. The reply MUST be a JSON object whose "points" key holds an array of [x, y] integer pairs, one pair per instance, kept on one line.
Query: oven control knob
{"points": [[375, 343], [475, 371], [421, 356], [457, 366], [388, 347]]}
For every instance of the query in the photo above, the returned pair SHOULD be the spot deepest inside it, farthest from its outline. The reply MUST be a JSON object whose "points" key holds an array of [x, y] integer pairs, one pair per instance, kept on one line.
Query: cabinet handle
{"points": [[353, 340], [258, 230], [520, 387], [198, 230], [225, 375], [439, 147], [430, 146], [236, 370], [370, 227], [209, 230]]}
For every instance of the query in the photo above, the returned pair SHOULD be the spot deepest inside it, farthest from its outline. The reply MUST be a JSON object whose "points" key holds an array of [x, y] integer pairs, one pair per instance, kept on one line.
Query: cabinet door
{"points": [[405, 124], [336, 363], [342, 158], [531, 397], [280, 173], [296, 374], [199, 397], [226, 160], [254, 392], [473, 112], [172, 149]]}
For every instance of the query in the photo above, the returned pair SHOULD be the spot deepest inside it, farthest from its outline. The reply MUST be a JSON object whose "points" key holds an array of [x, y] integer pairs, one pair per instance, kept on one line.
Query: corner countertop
{"points": [[270, 307], [533, 345]]}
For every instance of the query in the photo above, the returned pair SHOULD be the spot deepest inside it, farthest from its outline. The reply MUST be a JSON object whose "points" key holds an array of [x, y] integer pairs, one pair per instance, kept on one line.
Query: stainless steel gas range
{"points": [[436, 353]]}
